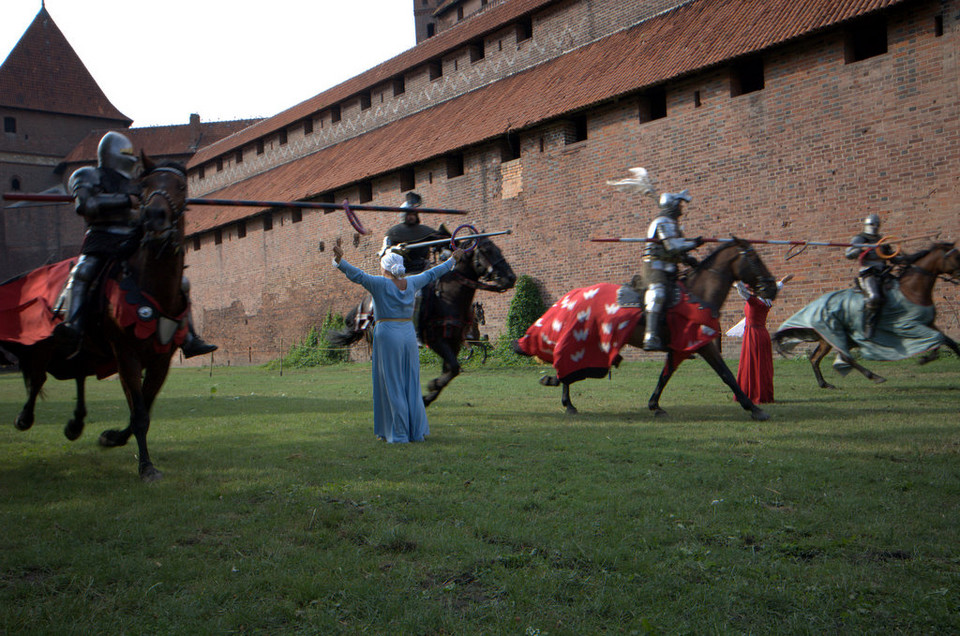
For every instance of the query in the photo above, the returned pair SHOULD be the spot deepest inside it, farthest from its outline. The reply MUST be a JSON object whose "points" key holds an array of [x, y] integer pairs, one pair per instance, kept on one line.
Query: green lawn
{"points": [[280, 513]]}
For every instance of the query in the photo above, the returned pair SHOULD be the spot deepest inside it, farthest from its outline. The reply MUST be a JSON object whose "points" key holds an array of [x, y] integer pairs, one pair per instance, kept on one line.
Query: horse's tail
{"points": [[349, 335]]}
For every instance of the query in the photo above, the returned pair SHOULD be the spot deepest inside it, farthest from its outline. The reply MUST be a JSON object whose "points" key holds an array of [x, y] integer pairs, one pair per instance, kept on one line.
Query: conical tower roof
{"points": [[44, 73]]}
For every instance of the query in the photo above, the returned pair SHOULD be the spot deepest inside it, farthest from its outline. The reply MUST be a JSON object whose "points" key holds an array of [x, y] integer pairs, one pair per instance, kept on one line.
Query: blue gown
{"points": [[398, 412]]}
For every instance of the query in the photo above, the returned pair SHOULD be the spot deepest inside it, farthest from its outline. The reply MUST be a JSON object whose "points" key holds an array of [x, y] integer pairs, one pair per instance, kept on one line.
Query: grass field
{"points": [[280, 513]]}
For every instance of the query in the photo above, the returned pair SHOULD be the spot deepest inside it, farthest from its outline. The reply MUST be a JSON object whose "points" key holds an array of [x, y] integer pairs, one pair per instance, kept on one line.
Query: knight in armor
{"points": [[865, 248], [107, 197], [410, 230], [665, 249]]}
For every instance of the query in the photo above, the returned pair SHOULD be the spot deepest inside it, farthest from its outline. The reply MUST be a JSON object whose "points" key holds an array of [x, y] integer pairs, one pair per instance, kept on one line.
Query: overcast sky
{"points": [[158, 62]]}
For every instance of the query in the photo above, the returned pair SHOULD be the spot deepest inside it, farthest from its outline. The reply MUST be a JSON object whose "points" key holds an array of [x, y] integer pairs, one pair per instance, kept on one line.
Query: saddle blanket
{"points": [[588, 326], [27, 303], [903, 328]]}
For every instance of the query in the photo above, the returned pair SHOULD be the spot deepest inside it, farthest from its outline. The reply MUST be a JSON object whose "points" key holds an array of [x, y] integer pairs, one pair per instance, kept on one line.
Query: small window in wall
{"points": [[239, 157], [15, 184], [296, 215], [219, 164], [431, 29], [335, 113], [267, 221], [938, 26], [524, 29], [477, 51], [454, 165], [283, 136], [366, 191], [460, 13], [259, 146], [399, 86], [865, 39], [408, 179], [696, 99], [746, 76], [217, 236], [241, 229], [576, 130], [308, 126], [365, 100], [653, 105], [510, 147], [435, 69], [196, 243], [9, 124], [202, 172]]}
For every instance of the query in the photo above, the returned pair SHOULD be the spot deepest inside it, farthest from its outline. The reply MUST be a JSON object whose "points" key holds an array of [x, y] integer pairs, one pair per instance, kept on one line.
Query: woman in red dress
{"points": [[755, 370]]}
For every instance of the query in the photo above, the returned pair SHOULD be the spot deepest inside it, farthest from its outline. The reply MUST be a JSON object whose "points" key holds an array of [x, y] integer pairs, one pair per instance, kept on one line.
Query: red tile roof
{"points": [[44, 73], [698, 35], [450, 39], [162, 141]]}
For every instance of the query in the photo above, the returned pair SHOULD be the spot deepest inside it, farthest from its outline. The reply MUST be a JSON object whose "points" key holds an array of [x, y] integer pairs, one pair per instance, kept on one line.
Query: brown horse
{"points": [[916, 281], [143, 318], [708, 284]]}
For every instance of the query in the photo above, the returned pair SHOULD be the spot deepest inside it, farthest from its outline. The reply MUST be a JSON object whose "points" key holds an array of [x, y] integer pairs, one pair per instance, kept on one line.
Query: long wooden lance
{"points": [[465, 237], [313, 205]]}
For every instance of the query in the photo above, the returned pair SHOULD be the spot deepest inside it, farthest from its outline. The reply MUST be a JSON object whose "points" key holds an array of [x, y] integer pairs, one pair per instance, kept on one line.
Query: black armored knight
{"points": [[108, 198], [410, 230]]}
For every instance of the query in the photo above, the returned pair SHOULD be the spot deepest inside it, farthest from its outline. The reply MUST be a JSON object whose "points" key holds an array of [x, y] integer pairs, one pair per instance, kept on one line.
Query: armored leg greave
{"points": [[654, 301], [872, 304]]}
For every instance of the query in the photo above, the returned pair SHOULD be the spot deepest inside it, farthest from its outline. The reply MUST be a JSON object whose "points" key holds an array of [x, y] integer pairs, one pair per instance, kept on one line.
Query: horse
{"points": [[612, 316], [905, 325], [445, 314], [141, 320]]}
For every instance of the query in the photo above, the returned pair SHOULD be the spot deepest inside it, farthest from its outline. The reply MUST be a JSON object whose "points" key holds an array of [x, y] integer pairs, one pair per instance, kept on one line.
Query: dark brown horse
{"points": [[142, 319], [709, 283], [916, 281], [445, 311]]}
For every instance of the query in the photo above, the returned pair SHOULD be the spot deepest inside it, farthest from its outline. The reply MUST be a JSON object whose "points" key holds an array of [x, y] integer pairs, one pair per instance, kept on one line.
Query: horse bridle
{"points": [[168, 236], [485, 265], [764, 281]]}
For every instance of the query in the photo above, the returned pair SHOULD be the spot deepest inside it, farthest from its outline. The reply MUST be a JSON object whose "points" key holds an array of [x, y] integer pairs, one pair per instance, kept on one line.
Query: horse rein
{"points": [[177, 210], [490, 271]]}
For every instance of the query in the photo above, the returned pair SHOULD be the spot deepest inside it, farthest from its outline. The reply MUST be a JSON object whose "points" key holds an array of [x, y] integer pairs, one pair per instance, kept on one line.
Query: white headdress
{"points": [[393, 263]]}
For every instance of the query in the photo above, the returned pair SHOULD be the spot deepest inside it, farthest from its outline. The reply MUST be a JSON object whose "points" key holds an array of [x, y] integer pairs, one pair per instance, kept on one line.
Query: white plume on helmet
{"points": [[638, 181]]}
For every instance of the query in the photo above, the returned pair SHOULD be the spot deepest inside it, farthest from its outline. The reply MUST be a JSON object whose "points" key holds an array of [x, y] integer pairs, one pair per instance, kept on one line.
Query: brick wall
{"points": [[822, 145]]}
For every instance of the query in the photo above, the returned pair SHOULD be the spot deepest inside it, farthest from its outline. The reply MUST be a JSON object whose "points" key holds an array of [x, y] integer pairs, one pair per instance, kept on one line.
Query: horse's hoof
{"points": [[572, 410], [827, 385], [760, 415], [73, 430], [549, 380], [23, 423], [150, 474], [878, 379], [112, 439], [658, 412]]}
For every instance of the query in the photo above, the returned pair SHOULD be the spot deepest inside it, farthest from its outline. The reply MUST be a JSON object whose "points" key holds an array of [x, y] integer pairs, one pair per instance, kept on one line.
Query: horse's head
{"points": [[749, 269], [949, 260], [163, 201], [490, 267], [735, 260]]}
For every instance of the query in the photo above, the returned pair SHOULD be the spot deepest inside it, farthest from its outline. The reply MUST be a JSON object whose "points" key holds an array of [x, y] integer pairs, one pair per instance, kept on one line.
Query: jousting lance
{"points": [[312, 205], [465, 237]]}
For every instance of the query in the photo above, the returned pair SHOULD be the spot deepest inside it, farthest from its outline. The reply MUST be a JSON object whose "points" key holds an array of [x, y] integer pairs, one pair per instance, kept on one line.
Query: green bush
{"points": [[315, 350], [525, 308]]}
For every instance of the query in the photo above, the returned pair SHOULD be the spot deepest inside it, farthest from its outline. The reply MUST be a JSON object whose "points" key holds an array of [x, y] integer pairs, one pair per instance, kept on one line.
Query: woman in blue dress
{"points": [[398, 412]]}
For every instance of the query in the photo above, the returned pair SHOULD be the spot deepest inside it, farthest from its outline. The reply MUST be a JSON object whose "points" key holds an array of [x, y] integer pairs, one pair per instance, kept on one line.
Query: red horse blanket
{"points": [[587, 328], [27, 302]]}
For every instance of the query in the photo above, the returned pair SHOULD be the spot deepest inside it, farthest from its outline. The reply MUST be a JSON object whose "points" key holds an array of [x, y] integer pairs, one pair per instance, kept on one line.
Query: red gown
{"points": [[755, 371]]}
